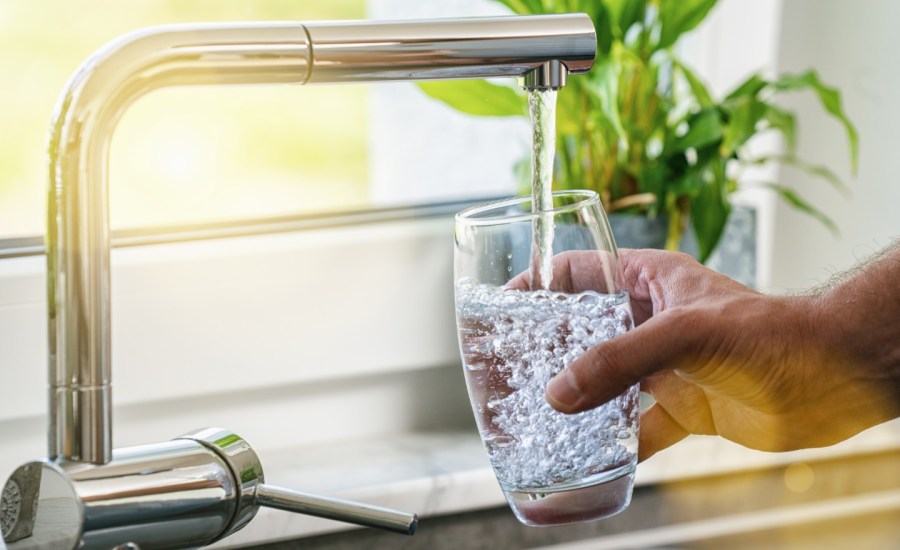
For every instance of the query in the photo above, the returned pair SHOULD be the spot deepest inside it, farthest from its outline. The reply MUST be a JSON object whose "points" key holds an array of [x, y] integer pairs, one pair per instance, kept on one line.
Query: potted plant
{"points": [[643, 130]]}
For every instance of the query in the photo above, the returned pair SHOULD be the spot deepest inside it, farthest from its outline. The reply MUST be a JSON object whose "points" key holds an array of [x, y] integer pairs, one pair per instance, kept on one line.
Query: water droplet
{"points": [[499, 441]]}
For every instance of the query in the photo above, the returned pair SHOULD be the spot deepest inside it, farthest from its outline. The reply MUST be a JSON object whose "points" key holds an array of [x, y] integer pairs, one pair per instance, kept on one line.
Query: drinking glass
{"points": [[516, 332]]}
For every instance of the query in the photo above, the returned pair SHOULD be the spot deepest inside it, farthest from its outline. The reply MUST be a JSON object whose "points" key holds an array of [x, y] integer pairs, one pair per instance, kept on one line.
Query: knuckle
{"points": [[685, 258]]}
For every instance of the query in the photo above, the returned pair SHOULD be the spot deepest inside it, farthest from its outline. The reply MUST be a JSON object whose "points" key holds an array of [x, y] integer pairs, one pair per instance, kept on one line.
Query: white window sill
{"points": [[441, 473]]}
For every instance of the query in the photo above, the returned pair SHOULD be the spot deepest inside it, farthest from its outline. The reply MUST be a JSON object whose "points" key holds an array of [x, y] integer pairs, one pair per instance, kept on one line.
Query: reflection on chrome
{"points": [[198, 488]]}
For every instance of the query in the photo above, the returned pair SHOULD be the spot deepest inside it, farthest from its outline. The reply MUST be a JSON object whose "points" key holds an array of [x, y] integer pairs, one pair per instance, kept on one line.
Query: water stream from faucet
{"points": [[542, 106]]}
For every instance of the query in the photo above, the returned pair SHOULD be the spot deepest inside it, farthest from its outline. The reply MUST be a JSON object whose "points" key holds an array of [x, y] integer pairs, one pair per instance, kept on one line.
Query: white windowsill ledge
{"points": [[436, 474]]}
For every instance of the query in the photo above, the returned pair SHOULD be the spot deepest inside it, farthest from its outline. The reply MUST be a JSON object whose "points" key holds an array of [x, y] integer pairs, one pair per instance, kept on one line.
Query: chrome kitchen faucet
{"points": [[207, 484]]}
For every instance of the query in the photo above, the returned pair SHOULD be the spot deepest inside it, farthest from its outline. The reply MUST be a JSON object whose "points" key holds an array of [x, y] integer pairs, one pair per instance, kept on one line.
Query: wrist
{"points": [[858, 331]]}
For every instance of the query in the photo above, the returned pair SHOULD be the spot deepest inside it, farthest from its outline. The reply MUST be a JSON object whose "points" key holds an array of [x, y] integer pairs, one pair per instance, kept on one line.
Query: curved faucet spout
{"points": [[94, 100], [543, 49]]}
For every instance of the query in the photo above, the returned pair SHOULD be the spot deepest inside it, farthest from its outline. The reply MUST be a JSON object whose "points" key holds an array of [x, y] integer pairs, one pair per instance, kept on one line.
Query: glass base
{"points": [[589, 501]]}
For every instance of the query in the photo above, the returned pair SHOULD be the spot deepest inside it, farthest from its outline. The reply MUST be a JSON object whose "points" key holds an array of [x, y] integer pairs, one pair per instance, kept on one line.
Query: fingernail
{"points": [[562, 391]]}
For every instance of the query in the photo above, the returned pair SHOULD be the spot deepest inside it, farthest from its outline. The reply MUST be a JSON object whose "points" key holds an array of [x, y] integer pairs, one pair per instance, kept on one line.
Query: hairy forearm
{"points": [[774, 373], [860, 317]]}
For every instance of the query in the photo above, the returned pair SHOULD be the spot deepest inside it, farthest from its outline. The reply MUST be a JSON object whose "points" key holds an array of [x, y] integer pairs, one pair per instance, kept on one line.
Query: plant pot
{"points": [[734, 256], [639, 231]]}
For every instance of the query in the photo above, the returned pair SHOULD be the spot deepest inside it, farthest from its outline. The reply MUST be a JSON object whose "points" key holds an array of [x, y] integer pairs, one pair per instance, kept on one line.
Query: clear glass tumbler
{"points": [[514, 336]]}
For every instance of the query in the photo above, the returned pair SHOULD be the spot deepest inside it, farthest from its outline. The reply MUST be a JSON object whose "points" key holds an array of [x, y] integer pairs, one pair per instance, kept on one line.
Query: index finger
{"points": [[609, 368]]}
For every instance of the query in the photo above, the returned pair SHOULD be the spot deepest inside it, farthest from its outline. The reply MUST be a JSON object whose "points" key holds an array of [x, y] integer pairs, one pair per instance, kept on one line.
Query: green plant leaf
{"points": [[604, 96], [523, 6], [744, 112], [477, 97], [704, 128], [751, 86], [785, 122], [697, 87], [623, 14], [676, 17], [688, 185], [830, 99], [604, 27], [569, 118], [709, 212], [793, 199], [653, 180]]}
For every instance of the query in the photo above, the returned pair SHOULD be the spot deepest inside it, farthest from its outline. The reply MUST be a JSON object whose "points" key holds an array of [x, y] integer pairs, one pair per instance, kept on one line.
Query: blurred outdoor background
{"points": [[179, 155]]}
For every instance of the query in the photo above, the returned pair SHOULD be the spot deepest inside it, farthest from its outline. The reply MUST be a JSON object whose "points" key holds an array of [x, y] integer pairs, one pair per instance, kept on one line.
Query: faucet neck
{"points": [[78, 264]]}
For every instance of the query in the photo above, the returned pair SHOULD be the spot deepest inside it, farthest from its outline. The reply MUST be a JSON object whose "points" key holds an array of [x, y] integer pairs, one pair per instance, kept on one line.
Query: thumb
{"points": [[609, 368]]}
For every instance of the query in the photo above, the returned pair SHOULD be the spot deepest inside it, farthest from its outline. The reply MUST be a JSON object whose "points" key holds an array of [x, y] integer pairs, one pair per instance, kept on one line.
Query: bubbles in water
{"points": [[534, 336]]}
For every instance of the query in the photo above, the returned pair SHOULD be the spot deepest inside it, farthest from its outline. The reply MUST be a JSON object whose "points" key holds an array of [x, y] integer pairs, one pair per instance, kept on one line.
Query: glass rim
{"points": [[467, 216]]}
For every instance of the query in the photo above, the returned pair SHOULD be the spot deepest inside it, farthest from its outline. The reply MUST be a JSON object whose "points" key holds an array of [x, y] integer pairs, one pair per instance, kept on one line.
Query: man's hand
{"points": [[768, 372]]}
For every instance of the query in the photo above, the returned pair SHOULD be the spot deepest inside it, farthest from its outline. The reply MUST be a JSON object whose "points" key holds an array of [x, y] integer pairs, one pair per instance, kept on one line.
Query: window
{"points": [[180, 155], [186, 156]]}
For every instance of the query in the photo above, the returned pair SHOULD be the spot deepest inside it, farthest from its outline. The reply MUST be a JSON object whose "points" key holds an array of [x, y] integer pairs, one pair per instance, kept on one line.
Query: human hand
{"points": [[768, 372]]}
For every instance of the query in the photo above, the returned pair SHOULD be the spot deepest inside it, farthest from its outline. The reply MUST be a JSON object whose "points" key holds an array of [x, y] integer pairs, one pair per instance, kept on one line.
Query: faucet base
{"points": [[184, 493], [18, 504]]}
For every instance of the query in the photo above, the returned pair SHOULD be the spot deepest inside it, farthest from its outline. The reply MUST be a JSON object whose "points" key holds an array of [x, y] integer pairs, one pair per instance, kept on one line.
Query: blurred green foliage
{"points": [[298, 149], [643, 130]]}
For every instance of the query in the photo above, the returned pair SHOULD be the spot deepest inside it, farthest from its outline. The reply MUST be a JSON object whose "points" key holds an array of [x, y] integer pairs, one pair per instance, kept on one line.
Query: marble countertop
{"points": [[445, 473]]}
